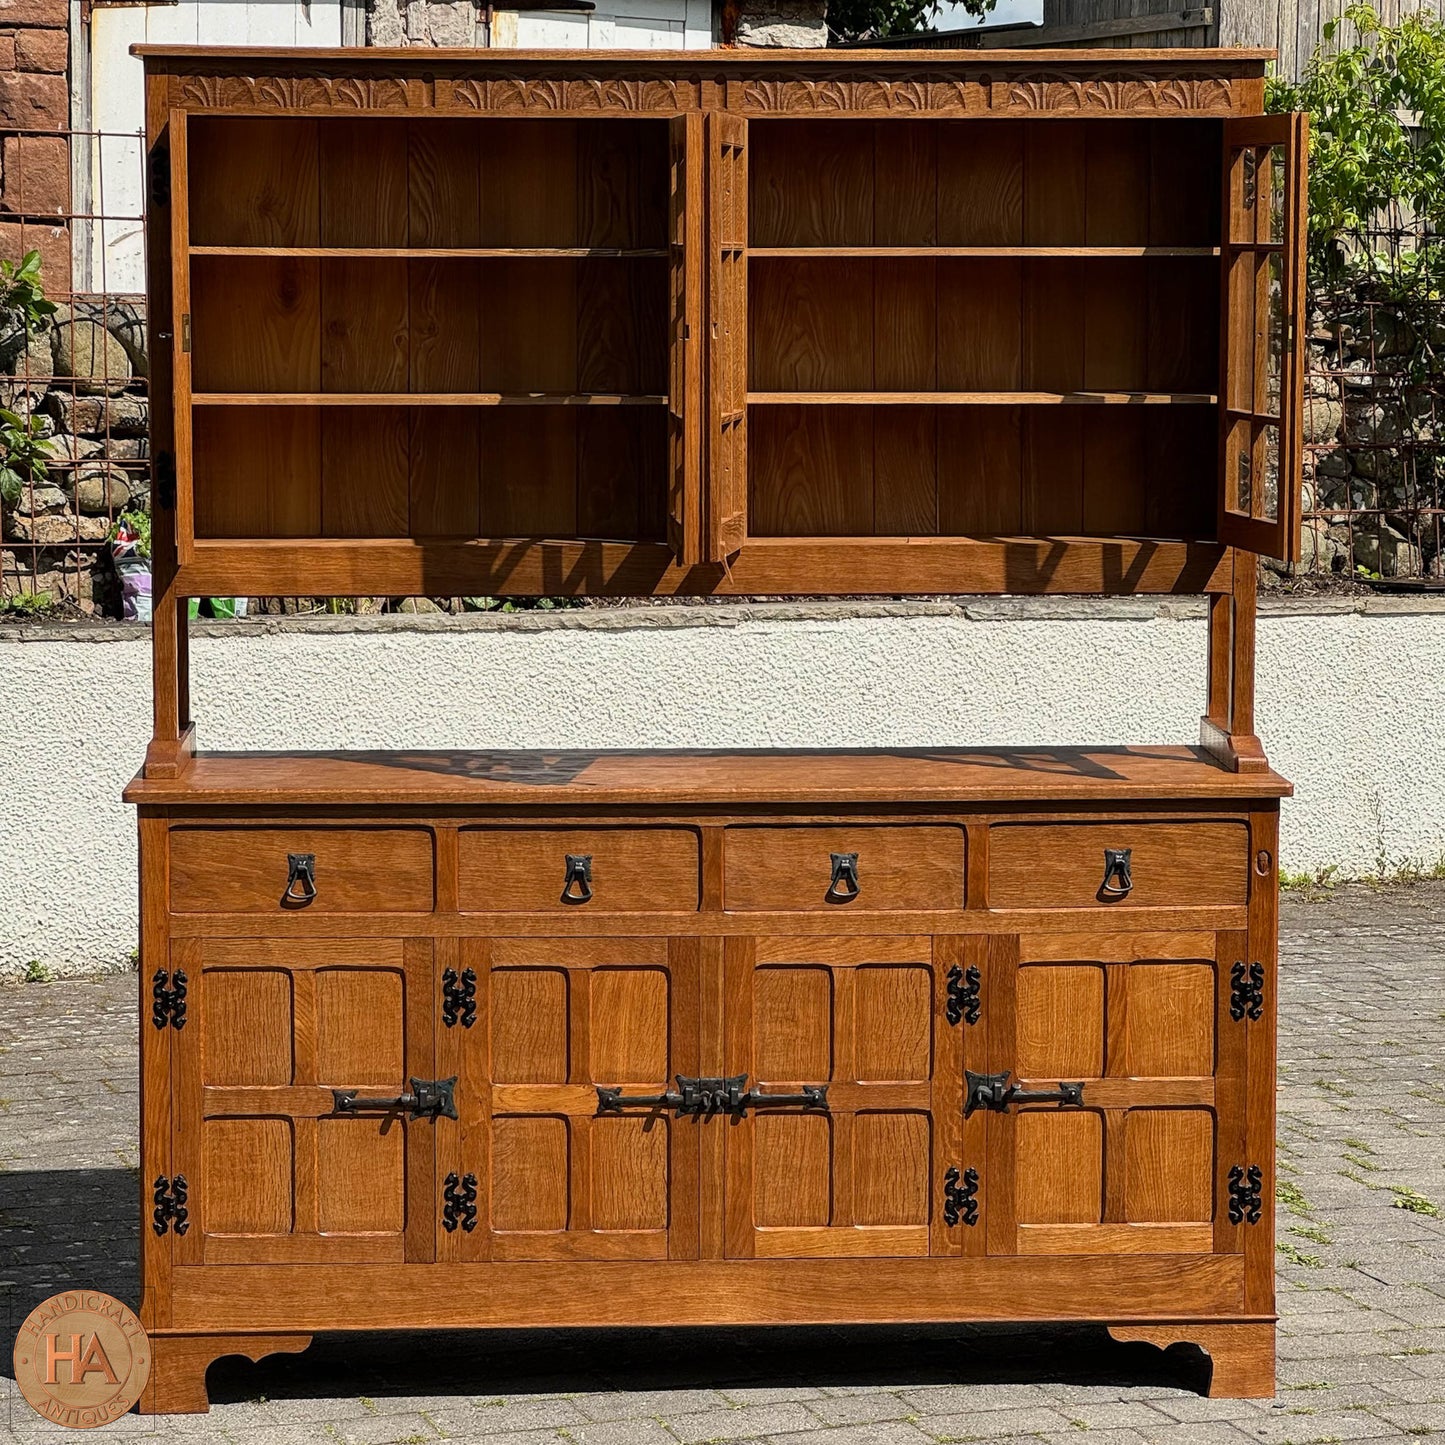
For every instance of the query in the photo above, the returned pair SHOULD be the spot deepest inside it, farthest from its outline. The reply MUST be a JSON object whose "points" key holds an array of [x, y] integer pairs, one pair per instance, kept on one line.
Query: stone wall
{"points": [[83, 375]]}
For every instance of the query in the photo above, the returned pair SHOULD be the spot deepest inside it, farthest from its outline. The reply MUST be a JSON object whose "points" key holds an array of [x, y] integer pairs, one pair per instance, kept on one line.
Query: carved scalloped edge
{"points": [[177, 1384], [1242, 1355]]}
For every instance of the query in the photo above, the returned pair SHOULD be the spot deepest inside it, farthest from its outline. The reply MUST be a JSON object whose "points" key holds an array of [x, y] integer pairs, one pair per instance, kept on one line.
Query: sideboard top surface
{"points": [[688, 777]]}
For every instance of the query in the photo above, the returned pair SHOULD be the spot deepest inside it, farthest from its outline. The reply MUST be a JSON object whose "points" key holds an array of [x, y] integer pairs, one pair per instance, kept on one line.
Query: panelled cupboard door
{"points": [[276, 1173], [552, 1173], [727, 372], [854, 1174], [1262, 351], [1143, 1022]]}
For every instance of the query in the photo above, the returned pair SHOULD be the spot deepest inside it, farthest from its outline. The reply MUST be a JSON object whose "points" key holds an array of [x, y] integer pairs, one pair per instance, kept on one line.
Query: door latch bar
{"points": [[709, 1096], [993, 1091], [429, 1098]]}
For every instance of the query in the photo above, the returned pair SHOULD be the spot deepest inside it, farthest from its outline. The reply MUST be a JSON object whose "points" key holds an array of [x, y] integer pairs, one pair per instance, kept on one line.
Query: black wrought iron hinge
{"points": [[160, 174], [166, 481], [963, 995], [170, 1205], [459, 997], [168, 999], [459, 1205], [960, 1200], [1246, 1194], [1246, 991]]}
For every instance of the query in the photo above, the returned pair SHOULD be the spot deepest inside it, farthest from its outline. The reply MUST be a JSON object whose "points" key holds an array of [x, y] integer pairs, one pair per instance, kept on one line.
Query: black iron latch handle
{"points": [[993, 1091], [709, 1096], [429, 1098], [300, 878], [578, 876], [1118, 873], [843, 886]]}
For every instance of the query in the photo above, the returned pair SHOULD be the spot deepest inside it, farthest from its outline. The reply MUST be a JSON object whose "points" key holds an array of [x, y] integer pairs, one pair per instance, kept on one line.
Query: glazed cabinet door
{"points": [[1262, 405], [858, 1023], [685, 343], [727, 221], [538, 1166], [1105, 1093], [276, 1168]]}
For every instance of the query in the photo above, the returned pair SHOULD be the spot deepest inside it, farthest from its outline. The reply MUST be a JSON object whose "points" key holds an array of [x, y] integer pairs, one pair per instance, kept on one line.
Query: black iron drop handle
{"points": [[843, 886], [710, 1096], [994, 1092], [578, 876], [1118, 873], [300, 878], [429, 1098]]}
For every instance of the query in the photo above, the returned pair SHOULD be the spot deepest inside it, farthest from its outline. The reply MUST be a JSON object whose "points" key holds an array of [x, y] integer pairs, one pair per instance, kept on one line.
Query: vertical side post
{"points": [[172, 734], [1227, 728]]}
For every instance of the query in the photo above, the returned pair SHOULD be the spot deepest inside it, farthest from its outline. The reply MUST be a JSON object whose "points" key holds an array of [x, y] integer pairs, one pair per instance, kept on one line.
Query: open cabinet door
{"points": [[684, 399], [1263, 342], [727, 335]]}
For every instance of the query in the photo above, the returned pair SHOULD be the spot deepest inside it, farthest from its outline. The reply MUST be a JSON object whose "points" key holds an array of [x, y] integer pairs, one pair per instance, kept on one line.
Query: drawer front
{"points": [[1128, 864], [263, 870], [799, 869], [601, 870]]}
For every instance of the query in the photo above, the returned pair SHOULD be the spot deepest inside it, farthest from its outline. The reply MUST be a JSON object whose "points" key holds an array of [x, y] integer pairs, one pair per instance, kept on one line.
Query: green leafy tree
{"points": [[1377, 148], [878, 19]]}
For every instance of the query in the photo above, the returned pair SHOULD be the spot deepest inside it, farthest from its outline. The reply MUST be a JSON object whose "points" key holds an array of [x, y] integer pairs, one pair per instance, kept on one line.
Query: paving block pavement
{"points": [[1361, 1242]]}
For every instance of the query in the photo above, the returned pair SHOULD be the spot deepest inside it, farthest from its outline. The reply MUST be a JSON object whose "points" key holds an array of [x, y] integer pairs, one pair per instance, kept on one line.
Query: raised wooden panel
{"points": [[245, 870], [898, 867], [1061, 865], [1060, 1162], [249, 1019], [1171, 1020], [1060, 1019], [893, 1025], [1170, 1166], [529, 1010], [360, 1017], [793, 1023], [630, 1023], [248, 1176], [360, 1177], [630, 1173], [530, 1158], [633, 870], [793, 1178], [892, 1168]]}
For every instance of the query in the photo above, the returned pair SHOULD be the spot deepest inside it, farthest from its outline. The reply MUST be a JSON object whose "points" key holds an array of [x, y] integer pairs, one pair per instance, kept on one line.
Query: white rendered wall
{"points": [[1351, 708]]}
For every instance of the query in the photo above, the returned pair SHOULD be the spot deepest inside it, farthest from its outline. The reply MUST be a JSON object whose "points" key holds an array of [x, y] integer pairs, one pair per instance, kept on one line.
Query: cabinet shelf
{"points": [[424, 398], [981, 398], [435, 253], [819, 253]]}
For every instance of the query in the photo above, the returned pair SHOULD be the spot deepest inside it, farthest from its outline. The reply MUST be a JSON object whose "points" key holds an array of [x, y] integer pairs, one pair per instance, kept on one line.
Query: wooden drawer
{"points": [[353, 870], [1062, 865], [605, 870], [781, 869]]}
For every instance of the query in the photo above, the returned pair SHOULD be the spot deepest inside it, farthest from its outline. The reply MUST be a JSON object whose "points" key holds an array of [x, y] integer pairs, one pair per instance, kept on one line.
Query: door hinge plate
{"points": [[1246, 991], [170, 1212], [168, 999], [459, 1206], [964, 1003], [960, 1196], [1246, 1194]]}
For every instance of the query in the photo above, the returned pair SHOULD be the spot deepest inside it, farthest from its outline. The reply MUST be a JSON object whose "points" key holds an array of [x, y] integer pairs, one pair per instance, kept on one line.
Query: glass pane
{"points": [[1244, 187], [1277, 177], [1266, 453], [1275, 324], [1242, 297], [1239, 467]]}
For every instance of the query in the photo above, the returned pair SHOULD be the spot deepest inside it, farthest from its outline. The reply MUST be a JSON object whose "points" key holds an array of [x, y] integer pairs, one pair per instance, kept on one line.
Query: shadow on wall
{"points": [[72, 1228]]}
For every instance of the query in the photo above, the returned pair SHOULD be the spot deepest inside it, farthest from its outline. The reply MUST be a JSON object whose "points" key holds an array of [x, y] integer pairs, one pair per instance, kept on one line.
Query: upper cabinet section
{"points": [[560, 323]]}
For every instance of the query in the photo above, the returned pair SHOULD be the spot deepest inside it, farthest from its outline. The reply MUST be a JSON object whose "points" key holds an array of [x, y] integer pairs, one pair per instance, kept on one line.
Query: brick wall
{"points": [[35, 166]]}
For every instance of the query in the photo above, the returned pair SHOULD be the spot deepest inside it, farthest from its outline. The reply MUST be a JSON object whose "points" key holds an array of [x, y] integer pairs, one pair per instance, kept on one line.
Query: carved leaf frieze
{"points": [[1122, 92]]}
